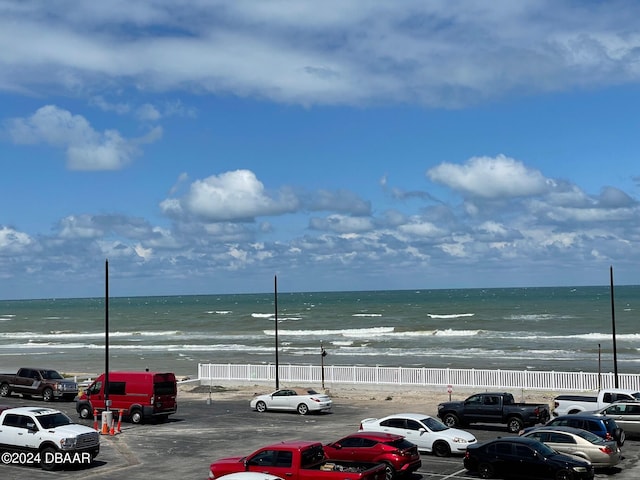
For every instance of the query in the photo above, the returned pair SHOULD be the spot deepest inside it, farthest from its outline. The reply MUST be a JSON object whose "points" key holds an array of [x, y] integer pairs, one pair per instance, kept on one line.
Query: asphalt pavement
{"points": [[200, 432]]}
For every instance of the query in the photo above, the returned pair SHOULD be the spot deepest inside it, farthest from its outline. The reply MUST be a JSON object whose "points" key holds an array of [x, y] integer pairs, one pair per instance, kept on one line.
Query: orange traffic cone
{"points": [[95, 419], [120, 421], [112, 431], [105, 427]]}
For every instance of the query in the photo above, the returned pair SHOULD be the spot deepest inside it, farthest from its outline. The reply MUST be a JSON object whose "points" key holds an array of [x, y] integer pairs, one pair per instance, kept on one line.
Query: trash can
{"points": [[107, 419]]}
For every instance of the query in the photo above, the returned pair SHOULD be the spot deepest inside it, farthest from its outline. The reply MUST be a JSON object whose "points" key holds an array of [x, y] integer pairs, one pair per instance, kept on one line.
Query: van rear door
{"points": [[164, 392]]}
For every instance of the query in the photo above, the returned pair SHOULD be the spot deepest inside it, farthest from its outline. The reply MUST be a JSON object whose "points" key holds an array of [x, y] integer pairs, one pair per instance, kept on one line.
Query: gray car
{"points": [[578, 442], [626, 415]]}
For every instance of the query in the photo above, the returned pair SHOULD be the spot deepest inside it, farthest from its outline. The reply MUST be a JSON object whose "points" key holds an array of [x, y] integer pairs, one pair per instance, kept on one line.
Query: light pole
{"points": [[323, 353]]}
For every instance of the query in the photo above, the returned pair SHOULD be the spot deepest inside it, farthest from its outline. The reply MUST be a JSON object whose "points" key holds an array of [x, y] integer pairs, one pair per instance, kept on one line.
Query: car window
{"points": [[367, 442], [633, 409], [540, 436], [54, 420], [594, 426], [393, 423], [590, 437], [351, 442], [522, 451], [265, 457], [284, 459], [491, 400], [474, 400], [557, 437], [413, 425], [503, 448]]}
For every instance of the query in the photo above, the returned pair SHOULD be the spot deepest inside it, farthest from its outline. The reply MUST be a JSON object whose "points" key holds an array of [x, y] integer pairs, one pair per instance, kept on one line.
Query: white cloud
{"points": [[431, 53], [86, 149], [235, 196], [491, 178]]}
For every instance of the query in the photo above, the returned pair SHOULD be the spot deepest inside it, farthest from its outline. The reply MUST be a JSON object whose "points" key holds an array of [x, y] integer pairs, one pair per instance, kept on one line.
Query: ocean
{"points": [[552, 328]]}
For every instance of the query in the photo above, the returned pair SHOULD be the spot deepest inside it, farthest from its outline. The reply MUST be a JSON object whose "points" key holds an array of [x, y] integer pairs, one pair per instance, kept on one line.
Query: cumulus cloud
{"points": [[231, 196], [86, 148], [490, 178]]}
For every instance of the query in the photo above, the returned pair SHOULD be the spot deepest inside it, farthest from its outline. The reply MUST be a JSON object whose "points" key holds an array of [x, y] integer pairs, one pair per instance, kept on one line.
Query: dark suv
{"points": [[602, 426]]}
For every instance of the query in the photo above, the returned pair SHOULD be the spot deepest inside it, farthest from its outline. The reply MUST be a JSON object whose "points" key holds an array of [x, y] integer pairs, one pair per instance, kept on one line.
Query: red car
{"points": [[400, 456]]}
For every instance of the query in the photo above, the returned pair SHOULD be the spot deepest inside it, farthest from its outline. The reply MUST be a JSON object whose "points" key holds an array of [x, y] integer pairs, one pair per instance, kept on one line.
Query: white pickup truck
{"points": [[568, 404], [45, 437]]}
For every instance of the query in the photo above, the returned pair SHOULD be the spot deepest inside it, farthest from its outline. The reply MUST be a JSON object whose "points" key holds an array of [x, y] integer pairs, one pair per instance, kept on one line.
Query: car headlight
{"points": [[66, 443], [460, 440], [580, 469]]}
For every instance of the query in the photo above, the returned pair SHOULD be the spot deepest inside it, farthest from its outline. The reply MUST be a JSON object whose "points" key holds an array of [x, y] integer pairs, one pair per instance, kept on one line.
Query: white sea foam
{"points": [[450, 315], [366, 315], [262, 315]]}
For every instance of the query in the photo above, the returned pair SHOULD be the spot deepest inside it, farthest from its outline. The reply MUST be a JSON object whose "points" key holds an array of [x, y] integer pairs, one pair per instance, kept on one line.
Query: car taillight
{"points": [[360, 427], [315, 399], [536, 411], [608, 436], [606, 449], [466, 454]]}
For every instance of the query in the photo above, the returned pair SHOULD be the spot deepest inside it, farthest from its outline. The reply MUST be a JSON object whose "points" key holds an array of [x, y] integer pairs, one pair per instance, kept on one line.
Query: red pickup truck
{"points": [[298, 460]]}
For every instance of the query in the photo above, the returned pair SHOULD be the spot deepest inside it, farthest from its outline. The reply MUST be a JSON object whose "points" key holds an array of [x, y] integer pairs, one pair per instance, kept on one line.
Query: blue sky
{"points": [[206, 147]]}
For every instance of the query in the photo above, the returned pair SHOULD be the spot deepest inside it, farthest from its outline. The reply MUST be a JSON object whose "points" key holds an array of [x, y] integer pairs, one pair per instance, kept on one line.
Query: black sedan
{"points": [[524, 458]]}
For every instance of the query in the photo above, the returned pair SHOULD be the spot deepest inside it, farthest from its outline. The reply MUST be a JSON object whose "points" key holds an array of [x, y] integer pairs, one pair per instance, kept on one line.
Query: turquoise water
{"points": [[563, 329]]}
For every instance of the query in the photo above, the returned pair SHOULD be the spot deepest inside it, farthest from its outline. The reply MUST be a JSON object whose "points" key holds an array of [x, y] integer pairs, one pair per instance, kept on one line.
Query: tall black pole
{"points": [[275, 290], [106, 335], [613, 329]]}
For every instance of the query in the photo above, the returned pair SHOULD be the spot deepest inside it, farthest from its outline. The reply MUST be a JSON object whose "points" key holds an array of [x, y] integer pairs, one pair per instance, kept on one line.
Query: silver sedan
{"points": [[578, 442]]}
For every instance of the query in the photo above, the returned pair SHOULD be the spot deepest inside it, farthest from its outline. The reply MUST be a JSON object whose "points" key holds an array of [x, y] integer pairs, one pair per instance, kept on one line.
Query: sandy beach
{"points": [[394, 397]]}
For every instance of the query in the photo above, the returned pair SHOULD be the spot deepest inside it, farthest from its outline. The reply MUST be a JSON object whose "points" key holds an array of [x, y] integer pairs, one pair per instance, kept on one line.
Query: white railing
{"points": [[456, 377]]}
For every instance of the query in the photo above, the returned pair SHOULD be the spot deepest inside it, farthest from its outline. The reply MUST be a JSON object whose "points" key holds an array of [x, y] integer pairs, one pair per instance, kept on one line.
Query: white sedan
{"points": [[428, 433], [301, 400]]}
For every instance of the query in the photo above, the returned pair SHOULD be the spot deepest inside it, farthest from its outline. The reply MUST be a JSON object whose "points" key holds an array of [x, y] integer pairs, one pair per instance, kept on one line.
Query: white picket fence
{"points": [[403, 376]]}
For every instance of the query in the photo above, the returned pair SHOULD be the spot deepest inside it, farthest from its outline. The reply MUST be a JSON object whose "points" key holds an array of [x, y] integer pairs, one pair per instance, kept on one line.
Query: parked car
{"points": [[602, 426], [569, 404], [625, 414], [250, 476], [428, 433], [301, 400], [38, 382], [524, 457], [578, 442], [399, 456]]}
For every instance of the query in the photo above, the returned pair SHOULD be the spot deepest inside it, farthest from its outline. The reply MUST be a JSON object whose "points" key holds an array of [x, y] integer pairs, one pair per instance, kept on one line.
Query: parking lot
{"points": [[200, 432]]}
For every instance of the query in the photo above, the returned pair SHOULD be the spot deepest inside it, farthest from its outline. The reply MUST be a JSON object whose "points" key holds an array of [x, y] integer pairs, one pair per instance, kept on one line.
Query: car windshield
{"points": [[54, 420], [51, 375], [433, 424]]}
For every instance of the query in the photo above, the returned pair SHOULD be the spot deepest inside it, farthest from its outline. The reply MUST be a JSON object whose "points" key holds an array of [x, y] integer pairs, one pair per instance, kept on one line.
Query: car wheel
{"points": [[441, 449], [564, 475], [261, 407], [620, 436], [136, 416], [485, 470], [514, 425], [303, 409], [451, 420], [47, 459], [5, 391], [47, 395], [85, 412], [389, 471]]}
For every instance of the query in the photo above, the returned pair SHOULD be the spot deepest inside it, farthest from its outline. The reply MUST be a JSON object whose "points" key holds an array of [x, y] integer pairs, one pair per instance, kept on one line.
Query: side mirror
{"points": [[337, 446], [32, 427]]}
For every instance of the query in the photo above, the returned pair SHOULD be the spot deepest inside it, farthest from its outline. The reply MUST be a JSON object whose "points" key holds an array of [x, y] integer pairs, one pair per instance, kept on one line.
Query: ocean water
{"points": [[560, 328]]}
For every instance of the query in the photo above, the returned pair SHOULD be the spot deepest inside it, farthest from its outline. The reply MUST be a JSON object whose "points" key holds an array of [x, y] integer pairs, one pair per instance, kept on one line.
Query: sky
{"points": [[210, 147]]}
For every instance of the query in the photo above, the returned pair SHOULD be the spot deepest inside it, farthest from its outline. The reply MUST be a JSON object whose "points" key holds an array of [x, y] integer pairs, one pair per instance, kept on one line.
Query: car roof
{"points": [[36, 411], [555, 428], [590, 416], [380, 436], [412, 416]]}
